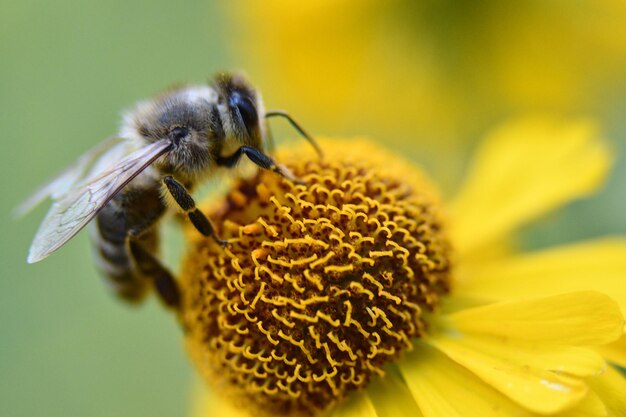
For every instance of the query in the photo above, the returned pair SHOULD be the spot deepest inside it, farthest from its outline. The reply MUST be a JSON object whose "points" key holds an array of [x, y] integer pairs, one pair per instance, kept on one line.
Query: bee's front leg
{"points": [[260, 159], [185, 201]]}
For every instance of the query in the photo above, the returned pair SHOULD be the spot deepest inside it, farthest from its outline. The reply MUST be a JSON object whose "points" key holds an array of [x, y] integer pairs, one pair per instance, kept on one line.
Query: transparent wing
{"points": [[81, 171], [73, 211]]}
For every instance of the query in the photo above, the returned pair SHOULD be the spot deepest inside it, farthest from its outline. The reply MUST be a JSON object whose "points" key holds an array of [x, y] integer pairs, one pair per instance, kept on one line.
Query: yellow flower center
{"points": [[321, 284]]}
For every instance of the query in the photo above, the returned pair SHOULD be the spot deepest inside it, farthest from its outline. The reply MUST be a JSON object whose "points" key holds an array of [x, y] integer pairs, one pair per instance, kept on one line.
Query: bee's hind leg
{"points": [[164, 282]]}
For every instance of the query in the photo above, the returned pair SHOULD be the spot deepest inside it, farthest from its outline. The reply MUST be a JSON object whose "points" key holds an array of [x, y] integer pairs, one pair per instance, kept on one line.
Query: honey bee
{"points": [[165, 147]]}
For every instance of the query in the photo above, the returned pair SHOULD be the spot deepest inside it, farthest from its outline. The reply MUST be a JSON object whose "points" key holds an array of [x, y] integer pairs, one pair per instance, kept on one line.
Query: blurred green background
{"points": [[69, 68]]}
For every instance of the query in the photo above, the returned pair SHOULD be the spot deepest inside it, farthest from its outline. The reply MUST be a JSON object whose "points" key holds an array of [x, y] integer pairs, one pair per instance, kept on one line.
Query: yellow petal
{"points": [[443, 388], [494, 251], [391, 397], [615, 352], [611, 388], [598, 265], [523, 170], [206, 404], [579, 318], [533, 388], [576, 361], [357, 404]]}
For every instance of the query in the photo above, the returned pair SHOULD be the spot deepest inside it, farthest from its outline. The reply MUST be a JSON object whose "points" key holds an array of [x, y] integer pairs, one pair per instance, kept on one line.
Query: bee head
{"points": [[241, 110]]}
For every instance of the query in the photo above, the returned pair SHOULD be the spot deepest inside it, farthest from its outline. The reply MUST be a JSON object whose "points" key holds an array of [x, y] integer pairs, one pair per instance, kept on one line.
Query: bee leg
{"points": [[260, 159], [149, 265], [186, 202]]}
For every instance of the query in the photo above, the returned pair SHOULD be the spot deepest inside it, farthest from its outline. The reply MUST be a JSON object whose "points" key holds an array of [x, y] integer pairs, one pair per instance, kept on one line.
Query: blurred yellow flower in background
{"points": [[492, 332], [432, 73]]}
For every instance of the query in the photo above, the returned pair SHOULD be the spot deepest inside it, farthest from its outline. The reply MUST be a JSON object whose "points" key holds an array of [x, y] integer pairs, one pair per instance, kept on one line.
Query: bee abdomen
{"points": [[112, 258]]}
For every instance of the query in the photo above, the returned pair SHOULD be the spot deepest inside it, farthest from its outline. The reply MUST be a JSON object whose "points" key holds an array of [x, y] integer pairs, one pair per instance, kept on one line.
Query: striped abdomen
{"points": [[127, 220]]}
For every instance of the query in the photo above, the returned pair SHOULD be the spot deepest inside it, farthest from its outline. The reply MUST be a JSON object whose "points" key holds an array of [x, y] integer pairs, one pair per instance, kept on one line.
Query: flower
{"points": [[358, 295]]}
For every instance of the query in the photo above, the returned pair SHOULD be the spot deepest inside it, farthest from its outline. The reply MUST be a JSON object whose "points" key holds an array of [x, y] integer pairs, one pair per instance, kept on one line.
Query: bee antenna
{"points": [[295, 125]]}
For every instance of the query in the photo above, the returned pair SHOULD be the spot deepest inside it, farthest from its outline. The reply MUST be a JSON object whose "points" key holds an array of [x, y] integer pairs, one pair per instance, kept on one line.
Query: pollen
{"points": [[321, 284]]}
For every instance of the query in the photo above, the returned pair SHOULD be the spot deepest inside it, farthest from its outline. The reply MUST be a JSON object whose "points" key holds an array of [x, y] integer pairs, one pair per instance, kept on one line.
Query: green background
{"points": [[68, 68]]}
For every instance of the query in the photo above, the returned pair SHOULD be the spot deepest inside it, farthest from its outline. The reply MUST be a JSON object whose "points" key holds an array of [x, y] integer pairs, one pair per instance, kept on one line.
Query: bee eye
{"points": [[178, 133], [246, 110]]}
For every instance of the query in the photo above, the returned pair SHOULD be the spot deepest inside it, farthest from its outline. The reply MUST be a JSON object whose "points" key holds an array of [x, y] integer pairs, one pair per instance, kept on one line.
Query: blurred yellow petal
{"points": [[488, 253], [615, 352], [454, 303], [523, 170], [611, 388], [534, 388], [596, 265], [357, 404], [580, 318], [206, 404], [297, 45], [577, 361], [391, 397], [442, 388]]}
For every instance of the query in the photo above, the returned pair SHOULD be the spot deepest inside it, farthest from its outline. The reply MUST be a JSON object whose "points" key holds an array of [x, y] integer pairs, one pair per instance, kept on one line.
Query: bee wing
{"points": [[79, 172], [73, 211]]}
